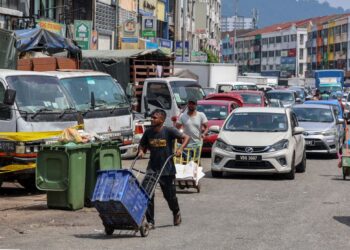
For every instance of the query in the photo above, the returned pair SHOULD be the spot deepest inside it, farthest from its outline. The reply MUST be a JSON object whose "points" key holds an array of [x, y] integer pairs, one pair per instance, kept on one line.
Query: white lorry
{"points": [[170, 94], [263, 82], [33, 108], [209, 74], [103, 105]]}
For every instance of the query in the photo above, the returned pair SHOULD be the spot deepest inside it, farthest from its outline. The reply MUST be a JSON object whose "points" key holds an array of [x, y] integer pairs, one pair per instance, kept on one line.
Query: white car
{"points": [[259, 140]]}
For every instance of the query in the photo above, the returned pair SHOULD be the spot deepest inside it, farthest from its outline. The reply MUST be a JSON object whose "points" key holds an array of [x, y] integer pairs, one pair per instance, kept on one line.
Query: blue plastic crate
{"points": [[120, 199]]}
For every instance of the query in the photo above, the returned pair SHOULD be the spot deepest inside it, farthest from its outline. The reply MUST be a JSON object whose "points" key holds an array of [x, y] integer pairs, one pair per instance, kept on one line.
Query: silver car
{"points": [[322, 128]]}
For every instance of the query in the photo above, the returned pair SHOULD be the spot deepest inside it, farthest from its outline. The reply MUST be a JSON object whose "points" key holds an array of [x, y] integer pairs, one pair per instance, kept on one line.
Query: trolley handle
{"points": [[135, 169]]}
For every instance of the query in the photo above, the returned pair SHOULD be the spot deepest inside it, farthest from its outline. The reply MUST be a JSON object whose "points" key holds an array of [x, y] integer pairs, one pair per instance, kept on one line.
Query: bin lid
{"points": [[52, 170], [110, 157]]}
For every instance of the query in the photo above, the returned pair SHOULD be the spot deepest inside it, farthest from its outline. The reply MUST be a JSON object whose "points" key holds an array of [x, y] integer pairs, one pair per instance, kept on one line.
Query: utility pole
{"points": [[235, 32], [184, 24]]}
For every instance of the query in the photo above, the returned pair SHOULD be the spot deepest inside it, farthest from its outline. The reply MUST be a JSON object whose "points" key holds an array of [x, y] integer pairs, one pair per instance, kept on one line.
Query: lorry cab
{"points": [[103, 104], [40, 109], [223, 87], [170, 94]]}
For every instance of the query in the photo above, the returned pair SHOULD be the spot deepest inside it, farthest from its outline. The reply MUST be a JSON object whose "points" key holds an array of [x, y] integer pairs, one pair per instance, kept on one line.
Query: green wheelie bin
{"points": [[61, 172], [103, 155]]}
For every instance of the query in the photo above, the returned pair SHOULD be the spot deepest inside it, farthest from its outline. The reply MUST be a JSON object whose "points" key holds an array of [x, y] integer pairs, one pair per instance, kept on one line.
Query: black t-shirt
{"points": [[161, 146]]}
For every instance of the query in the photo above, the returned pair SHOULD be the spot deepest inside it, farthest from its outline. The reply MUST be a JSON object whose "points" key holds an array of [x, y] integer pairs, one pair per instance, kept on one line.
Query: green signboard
{"points": [[148, 33], [82, 32]]}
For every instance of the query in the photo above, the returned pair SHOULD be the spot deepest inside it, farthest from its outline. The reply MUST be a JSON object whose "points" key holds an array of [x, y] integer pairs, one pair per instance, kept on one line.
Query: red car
{"points": [[216, 111], [249, 98]]}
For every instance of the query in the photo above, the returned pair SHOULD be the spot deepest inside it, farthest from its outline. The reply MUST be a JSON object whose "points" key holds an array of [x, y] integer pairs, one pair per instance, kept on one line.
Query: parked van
{"points": [[34, 107], [103, 105], [170, 94], [223, 87]]}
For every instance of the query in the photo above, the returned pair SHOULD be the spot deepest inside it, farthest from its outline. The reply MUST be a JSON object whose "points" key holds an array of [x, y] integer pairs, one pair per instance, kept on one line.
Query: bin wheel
{"points": [[144, 229], [109, 230], [344, 173]]}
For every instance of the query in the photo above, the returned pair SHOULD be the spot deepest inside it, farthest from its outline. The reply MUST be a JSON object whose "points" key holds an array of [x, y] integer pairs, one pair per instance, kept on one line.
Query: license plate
{"points": [[248, 158], [309, 142]]}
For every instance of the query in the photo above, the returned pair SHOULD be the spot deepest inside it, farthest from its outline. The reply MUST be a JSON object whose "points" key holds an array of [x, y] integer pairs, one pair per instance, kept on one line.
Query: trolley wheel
{"points": [[144, 229], [109, 230]]}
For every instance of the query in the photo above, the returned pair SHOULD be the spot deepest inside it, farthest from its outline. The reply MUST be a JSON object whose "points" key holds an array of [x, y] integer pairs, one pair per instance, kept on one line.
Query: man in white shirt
{"points": [[193, 122]]}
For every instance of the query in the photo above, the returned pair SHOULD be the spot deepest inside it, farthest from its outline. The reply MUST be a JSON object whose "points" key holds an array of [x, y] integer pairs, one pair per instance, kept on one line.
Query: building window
{"points": [[264, 54], [271, 53], [11, 4], [278, 53], [301, 39], [286, 39], [337, 47], [264, 41], [337, 30], [344, 28], [331, 48], [293, 38], [271, 40], [264, 67], [271, 67], [278, 39], [301, 68], [301, 54]]}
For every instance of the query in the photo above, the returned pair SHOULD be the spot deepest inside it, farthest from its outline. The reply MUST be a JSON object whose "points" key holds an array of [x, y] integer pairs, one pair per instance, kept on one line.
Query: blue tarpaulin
{"points": [[40, 39]]}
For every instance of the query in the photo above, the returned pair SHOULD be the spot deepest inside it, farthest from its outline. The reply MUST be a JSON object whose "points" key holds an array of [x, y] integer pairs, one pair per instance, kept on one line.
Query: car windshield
{"points": [[251, 99], [108, 94], [300, 93], [314, 115], [213, 111], [257, 122], [330, 89], [38, 92], [283, 96], [208, 91], [184, 92]]}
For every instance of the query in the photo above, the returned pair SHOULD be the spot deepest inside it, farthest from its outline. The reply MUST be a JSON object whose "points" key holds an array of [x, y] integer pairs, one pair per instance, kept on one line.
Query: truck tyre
{"points": [[28, 183]]}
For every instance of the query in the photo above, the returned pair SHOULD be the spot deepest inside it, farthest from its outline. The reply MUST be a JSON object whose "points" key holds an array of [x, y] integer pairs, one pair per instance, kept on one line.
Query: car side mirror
{"points": [[340, 121], [298, 100], [9, 97], [298, 131], [214, 129]]}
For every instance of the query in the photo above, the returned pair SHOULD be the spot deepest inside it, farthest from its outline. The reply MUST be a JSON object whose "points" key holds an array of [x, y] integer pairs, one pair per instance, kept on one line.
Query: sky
{"points": [[338, 3]]}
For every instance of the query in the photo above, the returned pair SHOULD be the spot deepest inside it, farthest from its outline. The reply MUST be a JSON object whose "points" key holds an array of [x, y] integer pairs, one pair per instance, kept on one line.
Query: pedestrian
{"points": [[193, 122], [317, 95], [160, 140]]}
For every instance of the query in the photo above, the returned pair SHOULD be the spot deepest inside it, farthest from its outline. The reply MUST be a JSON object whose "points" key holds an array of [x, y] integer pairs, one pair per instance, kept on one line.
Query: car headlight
{"points": [[222, 145], [328, 132], [279, 145]]}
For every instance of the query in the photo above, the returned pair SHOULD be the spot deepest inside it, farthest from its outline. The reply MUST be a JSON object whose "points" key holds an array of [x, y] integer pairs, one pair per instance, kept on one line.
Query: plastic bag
{"points": [[70, 135]]}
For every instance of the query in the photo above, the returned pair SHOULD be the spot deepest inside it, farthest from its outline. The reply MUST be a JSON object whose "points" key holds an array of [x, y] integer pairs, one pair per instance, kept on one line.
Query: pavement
{"points": [[234, 212]]}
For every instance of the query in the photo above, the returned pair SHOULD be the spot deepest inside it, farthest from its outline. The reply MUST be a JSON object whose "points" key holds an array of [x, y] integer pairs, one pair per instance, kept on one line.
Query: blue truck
{"points": [[329, 82]]}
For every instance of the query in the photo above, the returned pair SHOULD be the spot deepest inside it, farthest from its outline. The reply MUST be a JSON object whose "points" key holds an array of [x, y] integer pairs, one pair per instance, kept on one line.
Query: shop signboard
{"points": [[82, 33], [130, 28], [178, 51], [149, 26], [52, 26], [165, 45], [199, 56], [129, 43]]}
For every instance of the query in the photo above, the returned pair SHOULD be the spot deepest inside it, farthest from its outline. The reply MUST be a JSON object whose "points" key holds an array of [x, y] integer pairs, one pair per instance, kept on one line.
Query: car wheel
{"points": [[216, 174], [291, 174], [302, 165]]}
